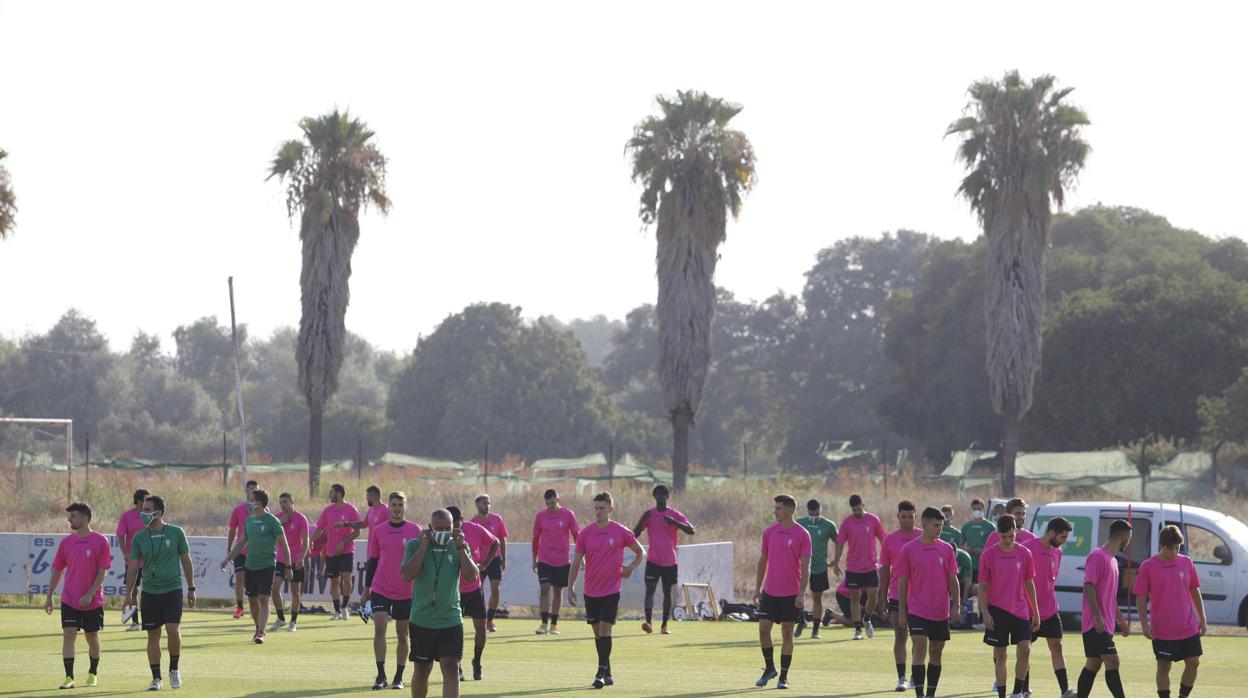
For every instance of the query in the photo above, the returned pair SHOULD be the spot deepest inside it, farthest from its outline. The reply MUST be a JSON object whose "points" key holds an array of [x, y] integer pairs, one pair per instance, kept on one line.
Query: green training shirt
{"points": [[435, 591], [262, 532], [965, 566], [161, 553], [822, 530], [951, 535], [974, 535]]}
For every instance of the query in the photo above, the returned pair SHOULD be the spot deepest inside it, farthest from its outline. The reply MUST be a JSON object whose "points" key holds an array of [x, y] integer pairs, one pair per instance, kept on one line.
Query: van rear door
{"points": [[1143, 546]]}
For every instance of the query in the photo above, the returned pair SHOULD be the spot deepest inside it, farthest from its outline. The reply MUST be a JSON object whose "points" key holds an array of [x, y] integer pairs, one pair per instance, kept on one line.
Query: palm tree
{"points": [[1022, 148], [694, 171], [8, 200], [332, 173]]}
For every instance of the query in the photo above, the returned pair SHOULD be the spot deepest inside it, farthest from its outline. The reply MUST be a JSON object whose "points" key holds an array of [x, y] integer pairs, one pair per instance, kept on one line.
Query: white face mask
{"points": [[977, 514]]}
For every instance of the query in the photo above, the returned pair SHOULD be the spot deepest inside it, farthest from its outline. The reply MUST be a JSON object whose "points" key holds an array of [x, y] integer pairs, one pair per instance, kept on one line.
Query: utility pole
{"points": [[238, 387]]}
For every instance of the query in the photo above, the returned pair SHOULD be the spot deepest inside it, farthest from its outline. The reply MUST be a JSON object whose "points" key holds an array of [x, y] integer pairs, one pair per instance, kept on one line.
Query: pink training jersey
{"points": [[387, 543], [479, 540], [784, 546], [293, 526], [1021, 535], [1006, 572], [861, 533], [238, 520], [603, 550], [1048, 562], [129, 524], [376, 514], [494, 524], [926, 568], [318, 546], [662, 536], [890, 552], [335, 513], [551, 533], [1168, 584], [85, 556], [1101, 571]]}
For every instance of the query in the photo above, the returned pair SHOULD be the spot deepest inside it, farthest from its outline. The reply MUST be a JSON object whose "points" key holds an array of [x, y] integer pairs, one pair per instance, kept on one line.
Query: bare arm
{"points": [[307, 549], [886, 573], [836, 558], [281, 540], [758, 579], [411, 569], [1089, 595], [56, 579], [983, 599], [1198, 603], [502, 551], [687, 528], [572, 575], [903, 585], [1142, 602], [95, 585], [467, 568], [804, 581], [238, 547], [955, 594], [1030, 586], [188, 573], [637, 555], [641, 523]]}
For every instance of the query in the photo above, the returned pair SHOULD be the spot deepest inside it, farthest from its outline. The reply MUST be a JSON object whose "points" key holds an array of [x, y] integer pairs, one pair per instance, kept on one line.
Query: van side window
{"points": [[1205, 546], [1141, 538]]}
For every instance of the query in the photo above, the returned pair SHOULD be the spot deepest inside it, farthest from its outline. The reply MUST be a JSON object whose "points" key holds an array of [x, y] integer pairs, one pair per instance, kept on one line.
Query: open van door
{"points": [[1206, 544], [1143, 546]]}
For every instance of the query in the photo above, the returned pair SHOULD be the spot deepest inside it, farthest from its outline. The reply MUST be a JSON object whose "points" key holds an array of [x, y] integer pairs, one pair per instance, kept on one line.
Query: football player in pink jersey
{"points": [[128, 525], [927, 595], [83, 558], [893, 543], [295, 528], [385, 589], [494, 570], [339, 547], [1172, 612], [238, 517], [1100, 612], [1046, 553], [375, 512], [482, 546], [861, 530], [780, 586], [1007, 590], [553, 527], [661, 524]]}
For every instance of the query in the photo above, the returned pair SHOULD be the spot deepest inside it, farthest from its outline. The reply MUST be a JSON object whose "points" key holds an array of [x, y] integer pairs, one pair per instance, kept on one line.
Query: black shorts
{"points": [[1050, 627], [296, 573], [495, 569], [258, 582], [843, 601], [160, 609], [893, 606], [934, 630], [336, 565], [434, 644], [472, 604], [1007, 628], [87, 621], [975, 576], [819, 582], [240, 563], [666, 575], [602, 609], [552, 575], [863, 580], [397, 609], [1177, 650], [778, 609], [1098, 644]]}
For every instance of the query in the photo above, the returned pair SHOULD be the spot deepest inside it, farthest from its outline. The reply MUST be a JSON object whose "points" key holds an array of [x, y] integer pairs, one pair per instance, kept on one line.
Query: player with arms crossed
{"points": [[166, 561], [87, 557], [1172, 612], [780, 586], [862, 530], [553, 528], [385, 589], [927, 594], [661, 524]]}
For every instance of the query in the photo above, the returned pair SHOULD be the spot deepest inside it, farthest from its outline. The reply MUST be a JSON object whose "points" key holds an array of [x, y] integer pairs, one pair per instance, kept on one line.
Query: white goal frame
{"points": [[69, 444]]}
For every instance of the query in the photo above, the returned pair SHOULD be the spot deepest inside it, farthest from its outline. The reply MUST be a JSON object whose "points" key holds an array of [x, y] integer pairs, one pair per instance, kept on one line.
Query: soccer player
{"points": [[1007, 590], [553, 528], [1016, 508], [1046, 554], [1172, 613], [262, 537], [129, 524], [482, 547], [661, 523], [780, 586], [339, 547], [861, 530], [493, 571], [85, 553], [821, 530], [295, 529], [238, 517], [1100, 611], [949, 533], [927, 595], [435, 563], [893, 543], [166, 559], [375, 511], [384, 587], [600, 546]]}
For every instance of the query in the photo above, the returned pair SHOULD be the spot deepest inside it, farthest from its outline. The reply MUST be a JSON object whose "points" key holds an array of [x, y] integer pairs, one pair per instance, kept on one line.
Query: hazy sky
{"points": [[139, 136]]}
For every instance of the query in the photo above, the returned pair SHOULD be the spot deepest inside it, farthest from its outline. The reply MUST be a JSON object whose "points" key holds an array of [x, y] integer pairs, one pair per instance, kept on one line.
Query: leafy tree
{"points": [[205, 354], [593, 333], [8, 200]]}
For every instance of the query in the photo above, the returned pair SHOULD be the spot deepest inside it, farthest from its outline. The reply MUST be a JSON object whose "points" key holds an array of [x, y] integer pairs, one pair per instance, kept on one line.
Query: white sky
{"points": [[139, 136]]}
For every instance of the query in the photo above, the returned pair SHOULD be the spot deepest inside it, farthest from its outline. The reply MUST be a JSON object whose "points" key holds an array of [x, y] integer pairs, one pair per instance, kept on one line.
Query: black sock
{"points": [[769, 662], [489, 615], [1062, 682], [918, 676], [294, 615], [346, 603], [604, 653], [857, 625], [1114, 681], [1185, 690], [398, 673], [649, 613], [1163, 693], [545, 618], [901, 671], [554, 619], [1000, 691], [381, 670], [155, 670], [95, 665], [1027, 682], [337, 606], [281, 615], [173, 661], [69, 666], [1018, 686], [476, 653], [1086, 679], [933, 678], [785, 661], [238, 604], [135, 620]]}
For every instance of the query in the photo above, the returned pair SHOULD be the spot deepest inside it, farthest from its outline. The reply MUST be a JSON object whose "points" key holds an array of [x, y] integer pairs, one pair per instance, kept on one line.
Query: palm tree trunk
{"points": [[314, 450], [681, 421], [1009, 451]]}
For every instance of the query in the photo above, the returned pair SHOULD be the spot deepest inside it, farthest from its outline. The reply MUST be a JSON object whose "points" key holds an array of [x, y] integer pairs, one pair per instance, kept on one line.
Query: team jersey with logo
{"points": [[338, 513], [435, 591], [84, 557], [551, 534], [662, 536], [1101, 571], [891, 550], [784, 546], [388, 544], [1168, 584], [1048, 561], [479, 540], [861, 534], [602, 548], [1006, 573], [822, 530], [161, 554], [262, 532], [294, 525], [926, 568]]}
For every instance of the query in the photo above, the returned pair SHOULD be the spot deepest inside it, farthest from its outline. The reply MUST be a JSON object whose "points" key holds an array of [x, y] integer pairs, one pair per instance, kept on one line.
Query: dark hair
{"points": [[978, 501], [482, 497], [80, 507], [158, 502], [374, 489], [1016, 502], [660, 488], [287, 495], [140, 495], [550, 494], [1006, 523], [785, 499], [1170, 536], [812, 504], [933, 514], [855, 500], [905, 505], [261, 497], [456, 514], [339, 489], [251, 483], [399, 495], [1119, 527], [604, 496], [945, 507], [1058, 524]]}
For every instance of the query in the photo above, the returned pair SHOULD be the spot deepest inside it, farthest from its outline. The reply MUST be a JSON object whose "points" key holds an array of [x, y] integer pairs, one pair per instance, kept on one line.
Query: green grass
{"points": [[701, 659]]}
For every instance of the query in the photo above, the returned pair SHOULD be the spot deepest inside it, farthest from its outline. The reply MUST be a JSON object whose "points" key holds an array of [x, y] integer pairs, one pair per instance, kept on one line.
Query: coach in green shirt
{"points": [[821, 531], [434, 563], [262, 535], [948, 532], [975, 533], [162, 551]]}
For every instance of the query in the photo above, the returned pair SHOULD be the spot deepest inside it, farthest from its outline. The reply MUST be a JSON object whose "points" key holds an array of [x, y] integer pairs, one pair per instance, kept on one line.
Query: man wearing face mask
{"points": [[974, 538], [166, 560], [265, 534]]}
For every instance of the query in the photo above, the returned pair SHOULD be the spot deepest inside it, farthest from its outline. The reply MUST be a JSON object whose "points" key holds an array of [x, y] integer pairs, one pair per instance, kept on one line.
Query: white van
{"points": [[1217, 543]]}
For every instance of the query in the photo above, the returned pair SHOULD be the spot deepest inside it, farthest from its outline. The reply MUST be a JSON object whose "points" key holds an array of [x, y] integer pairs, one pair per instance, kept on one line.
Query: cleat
{"points": [[543, 630], [599, 681], [554, 630], [476, 671], [258, 638], [92, 681], [902, 685], [857, 634], [664, 631], [366, 611], [489, 625], [133, 627], [814, 634], [238, 612], [827, 617], [782, 683], [801, 626], [277, 625], [291, 628], [127, 613], [398, 685], [68, 682], [1070, 693], [647, 628], [768, 675], [608, 680], [380, 683], [175, 678], [155, 685], [870, 628]]}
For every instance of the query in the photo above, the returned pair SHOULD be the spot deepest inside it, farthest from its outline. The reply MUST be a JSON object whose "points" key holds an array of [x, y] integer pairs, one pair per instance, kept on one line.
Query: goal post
{"points": [[69, 444]]}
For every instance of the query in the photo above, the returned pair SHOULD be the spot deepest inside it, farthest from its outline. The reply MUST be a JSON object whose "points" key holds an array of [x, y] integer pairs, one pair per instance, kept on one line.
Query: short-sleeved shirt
{"points": [[662, 536], [294, 526], [950, 534], [822, 530], [262, 532], [493, 523], [861, 534], [318, 546], [926, 568], [974, 536], [551, 535], [376, 514], [128, 525], [1048, 561], [84, 557], [1168, 584], [1101, 571], [338, 513], [161, 554], [1021, 536], [1006, 573], [603, 550], [965, 566], [479, 540], [893, 543], [238, 517], [388, 544], [435, 591], [784, 546]]}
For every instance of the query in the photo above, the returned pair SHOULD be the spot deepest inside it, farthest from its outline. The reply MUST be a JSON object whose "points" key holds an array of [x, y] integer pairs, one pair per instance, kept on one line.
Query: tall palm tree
{"points": [[8, 200], [694, 171], [1022, 147], [331, 174]]}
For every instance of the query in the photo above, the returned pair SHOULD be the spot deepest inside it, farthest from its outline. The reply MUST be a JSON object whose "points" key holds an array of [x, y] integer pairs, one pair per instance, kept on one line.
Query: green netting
{"points": [[141, 464], [1186, 476], [403, 460], [593, 460]]}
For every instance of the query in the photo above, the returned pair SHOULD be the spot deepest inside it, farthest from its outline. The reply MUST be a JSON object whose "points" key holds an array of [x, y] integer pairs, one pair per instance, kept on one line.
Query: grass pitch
{"points": [[327, 658]]}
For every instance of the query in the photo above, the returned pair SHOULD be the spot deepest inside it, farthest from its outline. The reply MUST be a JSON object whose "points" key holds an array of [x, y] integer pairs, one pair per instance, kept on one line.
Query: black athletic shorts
{"points": [[843, 601], [472, 604], [1007, 628], [778, 609], [336, 565], [160, 609], [602, 609], [1049, 627], [258, 582], [552, 575], [434, 644], [495, 569], [665, 575], [296, 573], [397, 609], [934, 630], [240, 563], [819, 582], [87, 621], [863, 580], [1098, 644], [1177, 650]]}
